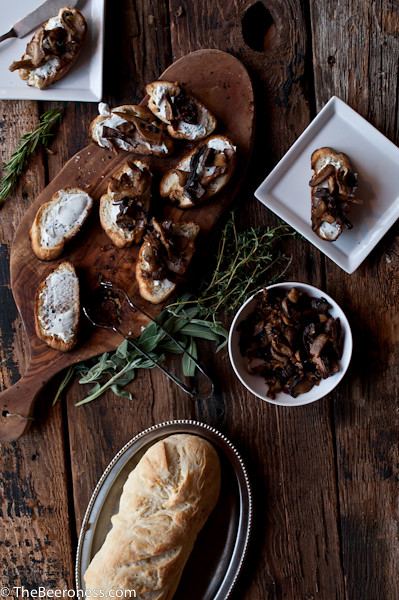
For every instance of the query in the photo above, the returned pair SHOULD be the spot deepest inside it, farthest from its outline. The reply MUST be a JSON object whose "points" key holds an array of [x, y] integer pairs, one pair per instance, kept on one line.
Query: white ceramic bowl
{"points": [[256, 383]]}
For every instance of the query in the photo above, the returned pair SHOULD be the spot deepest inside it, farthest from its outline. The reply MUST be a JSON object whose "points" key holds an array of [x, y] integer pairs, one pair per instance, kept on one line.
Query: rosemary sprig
{"points": [[28, 143]]}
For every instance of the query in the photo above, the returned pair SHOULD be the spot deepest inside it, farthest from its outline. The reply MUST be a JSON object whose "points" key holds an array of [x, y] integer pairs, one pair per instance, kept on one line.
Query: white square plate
{"points": [[286, 190], [82, 83]]}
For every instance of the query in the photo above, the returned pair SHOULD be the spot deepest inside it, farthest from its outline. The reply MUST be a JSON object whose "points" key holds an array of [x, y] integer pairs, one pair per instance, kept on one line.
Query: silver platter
{"points": [[218, 555]]}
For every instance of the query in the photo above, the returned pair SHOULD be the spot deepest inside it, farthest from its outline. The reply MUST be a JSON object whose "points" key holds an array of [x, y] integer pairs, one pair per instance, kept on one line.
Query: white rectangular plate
{"points": [[286, 190], [82, 83]]}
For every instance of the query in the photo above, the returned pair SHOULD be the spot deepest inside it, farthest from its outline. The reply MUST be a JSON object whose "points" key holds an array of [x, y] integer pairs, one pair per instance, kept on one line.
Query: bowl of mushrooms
{"points": [[290, 344]]}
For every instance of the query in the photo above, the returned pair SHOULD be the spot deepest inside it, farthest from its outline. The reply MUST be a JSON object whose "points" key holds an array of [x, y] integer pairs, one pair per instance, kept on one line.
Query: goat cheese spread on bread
{"points": [[60, 217], [59, 310]]}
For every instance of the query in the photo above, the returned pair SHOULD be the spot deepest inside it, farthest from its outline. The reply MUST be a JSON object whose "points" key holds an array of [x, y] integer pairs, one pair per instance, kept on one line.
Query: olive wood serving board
{"points": [[222, 83]]}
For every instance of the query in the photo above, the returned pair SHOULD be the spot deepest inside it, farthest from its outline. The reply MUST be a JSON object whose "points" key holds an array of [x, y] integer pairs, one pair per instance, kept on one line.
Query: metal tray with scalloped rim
{"points": [[218, 555]]}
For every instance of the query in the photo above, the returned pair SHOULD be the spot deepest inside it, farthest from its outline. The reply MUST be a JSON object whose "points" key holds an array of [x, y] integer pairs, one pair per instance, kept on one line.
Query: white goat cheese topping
{"points": [[58, 314], [63, 215]]}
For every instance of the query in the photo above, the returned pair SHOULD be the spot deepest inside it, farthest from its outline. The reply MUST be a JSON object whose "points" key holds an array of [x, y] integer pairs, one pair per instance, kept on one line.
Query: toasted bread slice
{"points": [[186, 117], [332, 193], [131, 128], [53, 49], [200, 174], [57, 308], [124, 208], [166, 250], [58, 221]]}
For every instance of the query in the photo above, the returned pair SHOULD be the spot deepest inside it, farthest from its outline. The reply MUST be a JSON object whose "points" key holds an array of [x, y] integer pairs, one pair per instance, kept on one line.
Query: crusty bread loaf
{"points": [[53, 49], [193, 180], [165, 502], [57, 308], [58, 221], [159, 260], [116, 129], [332, 193], [186, 117], [128, 191]]}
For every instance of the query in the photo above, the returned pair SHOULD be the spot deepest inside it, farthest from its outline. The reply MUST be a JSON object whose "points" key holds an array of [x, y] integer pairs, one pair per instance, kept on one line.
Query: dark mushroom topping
{"points": [[291, 340]]}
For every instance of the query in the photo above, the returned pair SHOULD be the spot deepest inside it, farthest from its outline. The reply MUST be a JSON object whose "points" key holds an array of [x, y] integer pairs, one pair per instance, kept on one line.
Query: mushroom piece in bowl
{"points": [[290, 344]]}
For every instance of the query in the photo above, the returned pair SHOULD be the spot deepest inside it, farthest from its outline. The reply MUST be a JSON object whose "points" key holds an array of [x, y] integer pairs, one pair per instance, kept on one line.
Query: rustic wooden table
{"points": [[324, 476]]}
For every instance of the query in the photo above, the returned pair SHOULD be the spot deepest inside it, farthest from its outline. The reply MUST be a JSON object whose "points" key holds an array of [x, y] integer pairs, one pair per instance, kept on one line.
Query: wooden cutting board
{"points": [[221, 82]]}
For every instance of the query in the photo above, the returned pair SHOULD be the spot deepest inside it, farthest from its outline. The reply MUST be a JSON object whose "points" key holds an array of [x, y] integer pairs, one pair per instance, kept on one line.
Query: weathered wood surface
{"points": [[325, 476]]}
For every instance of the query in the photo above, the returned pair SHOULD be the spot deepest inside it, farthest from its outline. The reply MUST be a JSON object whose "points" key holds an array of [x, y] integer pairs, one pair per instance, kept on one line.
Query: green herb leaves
{"points": [[13, 168], [245, 262], [115, 371]]}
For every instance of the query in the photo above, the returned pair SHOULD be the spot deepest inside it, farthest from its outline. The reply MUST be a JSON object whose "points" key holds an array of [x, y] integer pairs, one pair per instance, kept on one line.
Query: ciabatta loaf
{"points": [[333, 188], [186, 117], [124, 208], [58, 221], [165, 502], [131, 128], [166, 252], [53, 49], [57, 308], [200, 174]]}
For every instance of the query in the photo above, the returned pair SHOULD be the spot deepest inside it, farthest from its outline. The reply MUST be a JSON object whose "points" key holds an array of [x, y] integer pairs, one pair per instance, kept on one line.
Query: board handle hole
{"points": [[258, 28]]}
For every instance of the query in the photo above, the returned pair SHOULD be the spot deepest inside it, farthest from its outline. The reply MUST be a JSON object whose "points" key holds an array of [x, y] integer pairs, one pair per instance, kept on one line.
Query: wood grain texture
{"points": [[325, 476], [35, 542], [364, 73]]}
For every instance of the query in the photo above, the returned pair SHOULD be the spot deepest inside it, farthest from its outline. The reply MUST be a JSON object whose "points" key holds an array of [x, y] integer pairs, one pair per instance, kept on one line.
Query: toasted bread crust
{"points": [[54, 250], [208, 119], [171, 187], [135, 111], [122, 238], [53, 340], [326, 163], [156, 291], [147, 290], [65, 63]]}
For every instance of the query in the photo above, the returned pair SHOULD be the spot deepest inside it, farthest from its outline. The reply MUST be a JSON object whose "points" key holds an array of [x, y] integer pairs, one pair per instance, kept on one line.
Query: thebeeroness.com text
{"points": [[42, 592]]}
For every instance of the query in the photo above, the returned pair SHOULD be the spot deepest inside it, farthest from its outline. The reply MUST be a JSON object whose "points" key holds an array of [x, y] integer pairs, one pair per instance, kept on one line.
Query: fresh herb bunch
{"points": [[245, 261], [28, 143], [114, 371]]}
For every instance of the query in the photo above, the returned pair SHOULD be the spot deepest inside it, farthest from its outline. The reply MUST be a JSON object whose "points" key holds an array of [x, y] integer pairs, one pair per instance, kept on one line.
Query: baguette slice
{"points": [[125, 206], [165, 502], [57, 308], [200, 174], [166, 251], [58, 221], [186, 117], [53, 49], [333, 186], [130, 128]]}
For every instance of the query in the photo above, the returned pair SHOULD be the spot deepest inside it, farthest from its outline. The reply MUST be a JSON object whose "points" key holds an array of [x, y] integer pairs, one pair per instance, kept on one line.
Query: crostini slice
{"points": [[53, 49], [58, 221], [166, 252], [186, 117], [57, 308], [200, 174], [333, 188], [131, 128], [125, 206]]}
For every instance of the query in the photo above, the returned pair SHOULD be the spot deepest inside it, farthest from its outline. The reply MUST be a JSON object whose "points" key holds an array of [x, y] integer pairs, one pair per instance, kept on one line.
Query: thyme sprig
{"points": [[245, 261], [28, 143]]}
